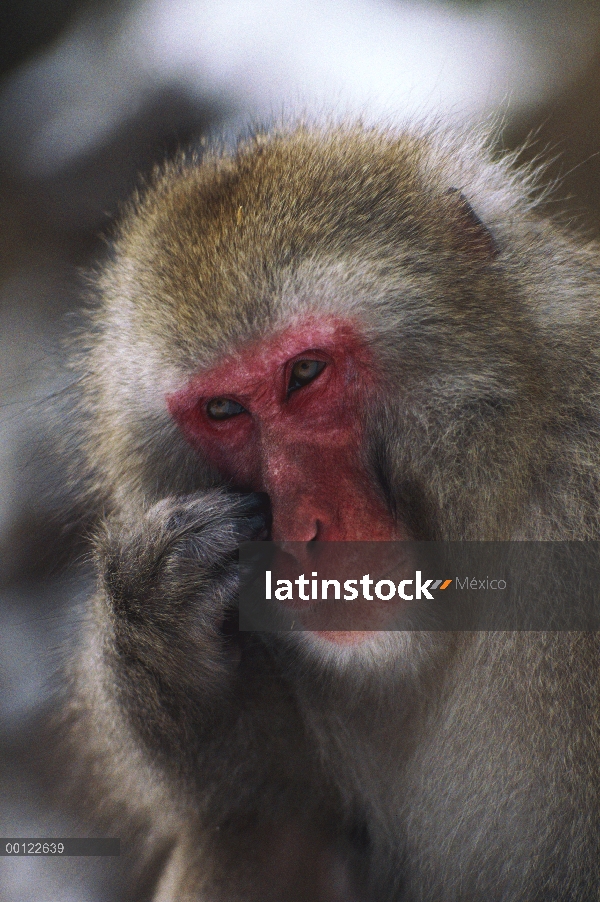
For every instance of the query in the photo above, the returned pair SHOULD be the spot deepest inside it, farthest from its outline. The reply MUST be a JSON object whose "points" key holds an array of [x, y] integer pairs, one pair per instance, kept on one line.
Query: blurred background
{"points": [[92, 95]]}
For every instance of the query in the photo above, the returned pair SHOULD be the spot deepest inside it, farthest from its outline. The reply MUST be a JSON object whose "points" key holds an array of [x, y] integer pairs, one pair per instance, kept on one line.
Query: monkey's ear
{"points": [[474, 237]]}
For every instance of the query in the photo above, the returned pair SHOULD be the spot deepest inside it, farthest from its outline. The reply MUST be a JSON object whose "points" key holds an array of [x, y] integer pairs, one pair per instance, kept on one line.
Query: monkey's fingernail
{"points": [[257, 523], [260, 517]]}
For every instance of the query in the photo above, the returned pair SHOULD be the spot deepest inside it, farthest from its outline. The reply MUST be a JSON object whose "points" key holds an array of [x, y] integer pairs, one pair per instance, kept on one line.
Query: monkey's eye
{"points": [[223, 409], [303, 372]]}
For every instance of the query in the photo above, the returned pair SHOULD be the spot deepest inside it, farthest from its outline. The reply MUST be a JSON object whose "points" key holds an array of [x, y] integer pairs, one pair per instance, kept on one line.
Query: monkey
{"points": [[339, 333]]}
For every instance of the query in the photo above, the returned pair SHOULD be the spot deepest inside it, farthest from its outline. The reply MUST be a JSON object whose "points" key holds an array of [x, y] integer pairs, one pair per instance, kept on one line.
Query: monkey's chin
{"points": [[400, 652], [346, 637]]}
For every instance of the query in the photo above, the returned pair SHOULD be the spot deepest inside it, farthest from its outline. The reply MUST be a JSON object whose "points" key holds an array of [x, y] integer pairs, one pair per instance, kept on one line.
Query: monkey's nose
{"points": [[296, 527]]}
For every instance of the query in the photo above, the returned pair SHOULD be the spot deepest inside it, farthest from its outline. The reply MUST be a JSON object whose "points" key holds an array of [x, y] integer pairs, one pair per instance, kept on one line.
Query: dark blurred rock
{"points": [[27, 26]]}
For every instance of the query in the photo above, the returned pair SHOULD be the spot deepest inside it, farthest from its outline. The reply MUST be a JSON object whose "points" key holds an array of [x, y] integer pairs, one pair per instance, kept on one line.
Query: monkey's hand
{"points": [[170, 579]]}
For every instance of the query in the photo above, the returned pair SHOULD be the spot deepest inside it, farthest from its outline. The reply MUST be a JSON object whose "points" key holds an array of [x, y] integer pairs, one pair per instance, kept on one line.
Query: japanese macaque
{"points": [[339, 334]]}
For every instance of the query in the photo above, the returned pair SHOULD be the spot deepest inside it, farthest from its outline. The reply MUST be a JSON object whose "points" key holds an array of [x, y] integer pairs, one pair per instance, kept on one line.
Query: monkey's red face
{"points": [[284, 416]]}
